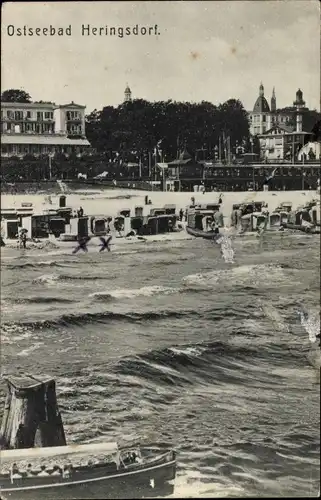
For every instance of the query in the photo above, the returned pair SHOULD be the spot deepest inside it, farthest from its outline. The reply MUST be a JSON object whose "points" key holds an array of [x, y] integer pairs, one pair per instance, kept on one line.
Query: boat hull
{"points": [[303, 229], [150, 481], [207, 235]]}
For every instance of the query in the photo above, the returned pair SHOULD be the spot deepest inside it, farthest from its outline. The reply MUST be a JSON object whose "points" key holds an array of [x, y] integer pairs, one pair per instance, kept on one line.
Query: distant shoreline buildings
{"points": [[42, 128], [279, 130]]}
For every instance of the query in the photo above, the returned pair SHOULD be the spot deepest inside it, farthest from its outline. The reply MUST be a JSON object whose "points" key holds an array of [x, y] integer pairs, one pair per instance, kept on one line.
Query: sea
{"points": [[184, 344]]}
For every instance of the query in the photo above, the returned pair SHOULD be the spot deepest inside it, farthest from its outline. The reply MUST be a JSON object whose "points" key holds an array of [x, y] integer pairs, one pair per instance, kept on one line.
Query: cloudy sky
{"points": [[211, 50]]}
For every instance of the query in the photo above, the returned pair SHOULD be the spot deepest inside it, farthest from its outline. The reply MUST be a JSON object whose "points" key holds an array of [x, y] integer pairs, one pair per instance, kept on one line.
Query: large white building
{"points": [[264, 116], [40, 128]]}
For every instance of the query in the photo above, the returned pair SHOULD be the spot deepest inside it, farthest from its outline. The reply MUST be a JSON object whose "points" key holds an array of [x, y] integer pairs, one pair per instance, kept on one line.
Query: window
{"points": [[29, 114], [48, 115], [39, 116], [263, 118], [10, 114], [18, 115], [73, 115]]}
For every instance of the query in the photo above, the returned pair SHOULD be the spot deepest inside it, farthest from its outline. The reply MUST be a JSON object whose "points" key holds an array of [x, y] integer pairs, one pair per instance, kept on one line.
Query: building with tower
{"points": [[263, 116], [284, 140], [127, 94], [299, 105], [273, 101]]}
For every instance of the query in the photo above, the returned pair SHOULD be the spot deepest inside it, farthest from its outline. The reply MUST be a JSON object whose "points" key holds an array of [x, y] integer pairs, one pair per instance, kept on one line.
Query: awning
{"points": [[43, 140]]}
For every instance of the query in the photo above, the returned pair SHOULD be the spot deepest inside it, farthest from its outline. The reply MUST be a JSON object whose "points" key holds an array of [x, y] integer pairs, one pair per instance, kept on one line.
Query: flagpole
{"points": [[149, 165]]}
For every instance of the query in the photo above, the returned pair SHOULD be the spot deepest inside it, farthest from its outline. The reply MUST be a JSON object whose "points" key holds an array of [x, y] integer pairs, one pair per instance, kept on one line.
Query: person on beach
{"points": [[181, 214], [219, 218], [220, 200], [80, 212], [269, 177], [239, 214], [24, 239]]}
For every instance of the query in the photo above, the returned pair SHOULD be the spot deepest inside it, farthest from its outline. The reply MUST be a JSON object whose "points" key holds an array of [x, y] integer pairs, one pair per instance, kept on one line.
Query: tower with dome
{"points": [[127, 94], [263, 116]]}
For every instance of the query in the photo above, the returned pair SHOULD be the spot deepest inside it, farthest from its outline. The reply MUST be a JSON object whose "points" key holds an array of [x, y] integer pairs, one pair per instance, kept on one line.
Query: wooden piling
{"points": [[31, 408]]}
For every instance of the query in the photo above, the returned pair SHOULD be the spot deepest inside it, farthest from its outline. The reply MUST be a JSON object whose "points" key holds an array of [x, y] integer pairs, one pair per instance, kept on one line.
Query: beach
{"points": [[110, 202]]}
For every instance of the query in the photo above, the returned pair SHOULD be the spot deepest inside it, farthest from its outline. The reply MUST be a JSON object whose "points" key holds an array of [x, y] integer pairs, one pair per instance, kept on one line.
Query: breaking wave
{"points": [[67, 320], [52, 278], [146, 291], [256, 274]]}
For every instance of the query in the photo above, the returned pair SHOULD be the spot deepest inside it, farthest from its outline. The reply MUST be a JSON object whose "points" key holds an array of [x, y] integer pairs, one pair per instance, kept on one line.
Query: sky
{"points": [[203, 50]]}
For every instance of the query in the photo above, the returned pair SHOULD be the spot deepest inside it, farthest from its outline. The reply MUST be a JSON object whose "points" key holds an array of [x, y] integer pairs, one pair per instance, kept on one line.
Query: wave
{"points": [[145, 291], [29, 350], [53, 278], [256, 274], [41, 300], [70, 320], [101, 317], [31, 265], [179, 365]]}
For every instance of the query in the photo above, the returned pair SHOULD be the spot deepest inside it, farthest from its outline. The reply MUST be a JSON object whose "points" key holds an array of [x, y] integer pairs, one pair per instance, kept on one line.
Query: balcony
{"points": [[73, 120]]}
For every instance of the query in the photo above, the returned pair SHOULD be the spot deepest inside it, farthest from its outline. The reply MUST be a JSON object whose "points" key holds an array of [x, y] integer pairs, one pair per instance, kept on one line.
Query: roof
{"points": [[72, 104], [185, 155], [280, 129], [41, 105], [183, 159], [261, 105], [50, 140], [26, 105], [180, 162]]}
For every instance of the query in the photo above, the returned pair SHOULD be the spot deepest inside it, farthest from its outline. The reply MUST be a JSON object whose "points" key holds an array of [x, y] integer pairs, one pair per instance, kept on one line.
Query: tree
{"points": [[316, 132], [15, 95], [131, 131]]}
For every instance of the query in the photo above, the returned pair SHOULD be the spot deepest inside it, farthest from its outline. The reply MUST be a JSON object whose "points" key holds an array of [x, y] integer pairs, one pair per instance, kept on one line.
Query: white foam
{"points": [[127, 293], [253, 274], [48, 279], [311, 324], [28, 350], [188, 350]]}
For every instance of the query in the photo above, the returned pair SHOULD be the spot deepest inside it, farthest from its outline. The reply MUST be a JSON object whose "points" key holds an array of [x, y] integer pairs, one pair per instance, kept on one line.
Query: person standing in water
{"points": [[24, 239]]}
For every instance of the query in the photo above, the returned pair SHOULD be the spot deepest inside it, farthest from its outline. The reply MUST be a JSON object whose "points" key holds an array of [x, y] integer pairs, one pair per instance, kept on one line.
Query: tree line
{"points": [[136, 128]]}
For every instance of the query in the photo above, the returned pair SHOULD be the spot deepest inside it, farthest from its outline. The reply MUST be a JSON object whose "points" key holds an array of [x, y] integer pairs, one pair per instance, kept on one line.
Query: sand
{"points": [[109, 202]]}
